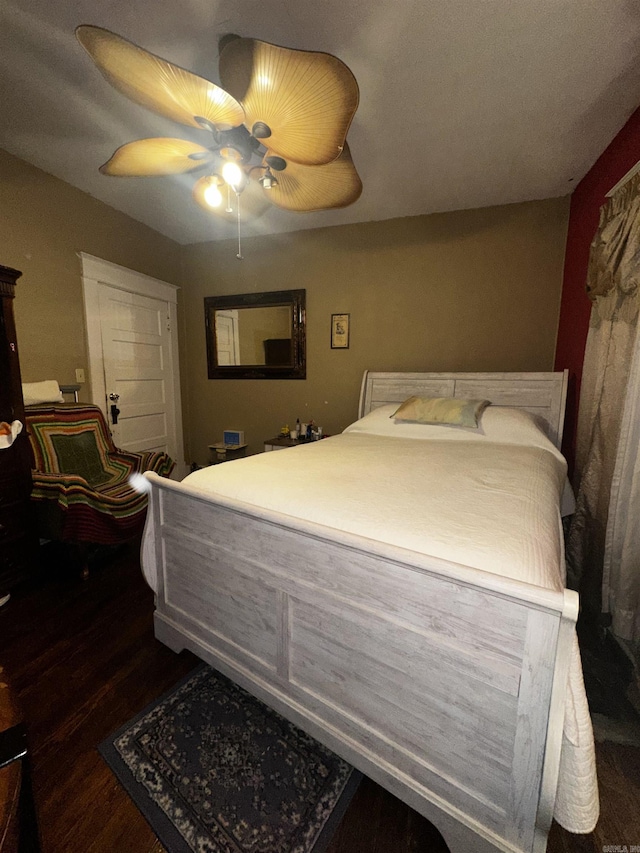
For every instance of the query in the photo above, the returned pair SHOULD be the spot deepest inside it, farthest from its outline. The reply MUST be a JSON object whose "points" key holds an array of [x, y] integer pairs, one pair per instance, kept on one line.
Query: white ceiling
{"points": [[463, 103]]}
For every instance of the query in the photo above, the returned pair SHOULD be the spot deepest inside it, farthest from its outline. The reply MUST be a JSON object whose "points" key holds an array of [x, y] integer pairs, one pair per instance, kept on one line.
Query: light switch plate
{"points": [[79, 374]]}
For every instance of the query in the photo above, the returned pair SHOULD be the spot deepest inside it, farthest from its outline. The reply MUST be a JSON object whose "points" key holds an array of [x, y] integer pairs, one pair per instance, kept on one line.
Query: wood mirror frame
{"points": [[293, 364]]}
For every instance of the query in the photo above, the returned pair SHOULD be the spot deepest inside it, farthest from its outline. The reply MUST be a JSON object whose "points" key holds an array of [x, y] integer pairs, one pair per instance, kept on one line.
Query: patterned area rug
{"points": [[214, 770]]}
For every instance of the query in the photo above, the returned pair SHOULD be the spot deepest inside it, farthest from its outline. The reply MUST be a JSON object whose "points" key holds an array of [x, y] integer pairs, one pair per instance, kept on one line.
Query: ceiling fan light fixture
{"points": [[233, 174], [208, 192], [227, 152], [268, 180], [302, 102], [212, 195]]}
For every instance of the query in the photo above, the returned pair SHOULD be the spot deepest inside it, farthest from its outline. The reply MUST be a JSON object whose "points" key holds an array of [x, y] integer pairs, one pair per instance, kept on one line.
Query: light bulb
{"points": [[232, 173], [212, 195], [268, 180]]}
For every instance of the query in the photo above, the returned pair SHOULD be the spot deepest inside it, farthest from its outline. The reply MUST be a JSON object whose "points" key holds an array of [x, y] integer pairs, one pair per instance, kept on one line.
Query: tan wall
{"points": [[44, 223], [476, 290], [470, 290]]}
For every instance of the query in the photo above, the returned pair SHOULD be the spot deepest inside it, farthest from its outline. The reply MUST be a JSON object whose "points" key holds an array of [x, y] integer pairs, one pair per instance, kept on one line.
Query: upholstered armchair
{"points": [[82, 483]]}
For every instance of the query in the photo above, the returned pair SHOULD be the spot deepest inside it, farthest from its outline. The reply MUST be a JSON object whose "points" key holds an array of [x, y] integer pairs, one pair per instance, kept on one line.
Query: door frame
{"points": [[97, 273]]}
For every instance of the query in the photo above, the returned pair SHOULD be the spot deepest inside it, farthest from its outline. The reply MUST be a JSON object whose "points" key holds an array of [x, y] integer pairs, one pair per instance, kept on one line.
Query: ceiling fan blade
{"points": [[306, 98], [157, 84], [159, 156], [252, 200], [307, 188]]}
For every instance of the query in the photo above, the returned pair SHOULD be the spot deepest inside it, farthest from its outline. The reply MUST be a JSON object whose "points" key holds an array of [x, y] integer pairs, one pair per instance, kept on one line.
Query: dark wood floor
{"points": [[83, 659]]}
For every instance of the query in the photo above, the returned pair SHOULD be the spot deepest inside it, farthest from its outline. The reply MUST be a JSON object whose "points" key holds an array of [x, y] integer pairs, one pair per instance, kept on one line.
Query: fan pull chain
{"points": [[239, 255]]}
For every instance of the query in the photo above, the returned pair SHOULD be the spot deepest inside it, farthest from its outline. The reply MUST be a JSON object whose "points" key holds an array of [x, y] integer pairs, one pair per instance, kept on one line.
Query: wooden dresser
{"points": [[18, 820], [18, 542]]}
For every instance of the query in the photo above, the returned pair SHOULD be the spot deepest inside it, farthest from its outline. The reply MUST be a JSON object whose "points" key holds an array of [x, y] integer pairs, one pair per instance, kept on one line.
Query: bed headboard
{"points": [[543, 394]]}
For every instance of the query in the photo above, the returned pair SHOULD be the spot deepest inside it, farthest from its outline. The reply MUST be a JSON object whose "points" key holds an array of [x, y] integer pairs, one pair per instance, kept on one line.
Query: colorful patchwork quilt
{"points": [[79, 470]]}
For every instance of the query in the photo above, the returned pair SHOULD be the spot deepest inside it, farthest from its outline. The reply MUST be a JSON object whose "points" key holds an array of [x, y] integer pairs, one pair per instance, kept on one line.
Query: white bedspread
{"points": [[476, 508], [481, 502]]}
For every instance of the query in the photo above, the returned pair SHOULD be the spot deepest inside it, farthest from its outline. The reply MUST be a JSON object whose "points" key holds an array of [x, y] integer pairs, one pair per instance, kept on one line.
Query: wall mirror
{"points": [[256, 335]]}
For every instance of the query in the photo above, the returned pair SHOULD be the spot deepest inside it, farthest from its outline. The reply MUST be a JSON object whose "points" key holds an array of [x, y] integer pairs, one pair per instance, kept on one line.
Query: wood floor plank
{"points": [[83, 660]]}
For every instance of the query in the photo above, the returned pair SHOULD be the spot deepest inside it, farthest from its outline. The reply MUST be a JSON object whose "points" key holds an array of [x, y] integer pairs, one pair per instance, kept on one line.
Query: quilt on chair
{"points": [[81, 473]]}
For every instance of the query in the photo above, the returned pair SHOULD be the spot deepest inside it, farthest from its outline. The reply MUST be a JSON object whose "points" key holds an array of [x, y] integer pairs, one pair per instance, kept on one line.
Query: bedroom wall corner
{"points": [[45, 222]]}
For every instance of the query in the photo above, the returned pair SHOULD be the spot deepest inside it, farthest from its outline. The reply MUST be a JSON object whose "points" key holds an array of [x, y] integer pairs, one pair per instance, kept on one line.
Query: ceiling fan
{"points": [[278, 126]]}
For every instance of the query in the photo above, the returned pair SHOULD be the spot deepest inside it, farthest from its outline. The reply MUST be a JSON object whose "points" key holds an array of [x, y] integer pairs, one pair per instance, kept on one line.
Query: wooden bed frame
{"points": [[443, 683]]}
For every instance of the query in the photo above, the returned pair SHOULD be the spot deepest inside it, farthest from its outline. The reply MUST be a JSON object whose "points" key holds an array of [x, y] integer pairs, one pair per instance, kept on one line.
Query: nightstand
{"points": [[280, 442], [221, 452]]}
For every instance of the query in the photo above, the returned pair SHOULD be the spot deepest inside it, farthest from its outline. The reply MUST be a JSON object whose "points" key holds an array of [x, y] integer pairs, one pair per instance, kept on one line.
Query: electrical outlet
{"points": [[79, 375]]}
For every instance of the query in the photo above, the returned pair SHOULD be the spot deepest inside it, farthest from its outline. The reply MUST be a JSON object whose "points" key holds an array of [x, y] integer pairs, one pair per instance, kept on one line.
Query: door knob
{"points": [[115, 411]]}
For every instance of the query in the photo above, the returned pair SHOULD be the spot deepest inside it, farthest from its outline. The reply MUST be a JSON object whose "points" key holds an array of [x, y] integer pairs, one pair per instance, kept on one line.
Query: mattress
{"points": [[486, 498]]}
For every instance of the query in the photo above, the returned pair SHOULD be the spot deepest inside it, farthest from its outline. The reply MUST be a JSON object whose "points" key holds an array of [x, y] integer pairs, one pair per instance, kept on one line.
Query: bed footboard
{"points": [[444, 684]]}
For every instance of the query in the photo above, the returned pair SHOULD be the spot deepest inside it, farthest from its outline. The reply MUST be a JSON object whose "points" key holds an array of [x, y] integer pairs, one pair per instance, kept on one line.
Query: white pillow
{"points": [[47, 391], [499, 424]]}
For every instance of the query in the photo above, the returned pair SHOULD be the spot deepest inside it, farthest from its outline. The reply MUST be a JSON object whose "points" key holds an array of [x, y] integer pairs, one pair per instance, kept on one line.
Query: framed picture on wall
{"points": [[340, 331]]}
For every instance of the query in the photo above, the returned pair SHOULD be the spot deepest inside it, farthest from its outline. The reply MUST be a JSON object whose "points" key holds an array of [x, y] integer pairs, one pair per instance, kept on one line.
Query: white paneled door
{"points": [[137, 369], [227, 348], [133, 357]]}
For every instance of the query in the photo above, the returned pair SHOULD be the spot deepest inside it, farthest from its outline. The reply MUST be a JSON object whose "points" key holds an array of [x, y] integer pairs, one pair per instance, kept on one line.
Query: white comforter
{"points": [[487, 499], [480, 508]]}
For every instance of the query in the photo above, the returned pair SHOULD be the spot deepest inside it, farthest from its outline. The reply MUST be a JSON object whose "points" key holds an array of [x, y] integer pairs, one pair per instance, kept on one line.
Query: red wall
{"points": [[620, 156]]}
